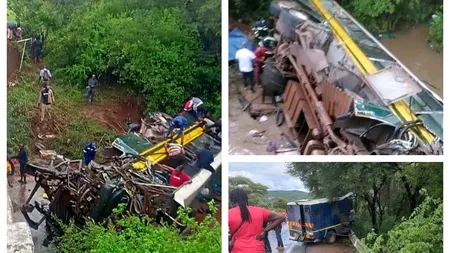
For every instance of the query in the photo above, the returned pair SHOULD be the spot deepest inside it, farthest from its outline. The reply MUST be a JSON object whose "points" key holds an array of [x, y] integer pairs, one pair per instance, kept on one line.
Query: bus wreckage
{"points": [[343, 92], [136, 175]]}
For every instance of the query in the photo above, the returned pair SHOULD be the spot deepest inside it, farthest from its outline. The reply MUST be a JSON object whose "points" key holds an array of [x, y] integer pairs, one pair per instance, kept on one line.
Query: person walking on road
{"points": [[280, 246], [45, 75], [245, 59], [46, 99], [89, 152], [92, 84], [22, 156], [245, 224], [179, 122]]}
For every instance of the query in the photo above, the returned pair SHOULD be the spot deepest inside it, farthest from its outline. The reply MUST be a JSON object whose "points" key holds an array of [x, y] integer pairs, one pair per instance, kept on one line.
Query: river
{"points": [[410, 46]]}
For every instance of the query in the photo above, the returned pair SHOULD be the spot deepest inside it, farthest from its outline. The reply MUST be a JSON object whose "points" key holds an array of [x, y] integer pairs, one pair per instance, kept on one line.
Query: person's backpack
{"points": [[46, 75]]}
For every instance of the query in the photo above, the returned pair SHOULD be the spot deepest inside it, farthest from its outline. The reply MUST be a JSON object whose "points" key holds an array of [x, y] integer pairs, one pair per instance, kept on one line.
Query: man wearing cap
{"points": [[245, 59]]}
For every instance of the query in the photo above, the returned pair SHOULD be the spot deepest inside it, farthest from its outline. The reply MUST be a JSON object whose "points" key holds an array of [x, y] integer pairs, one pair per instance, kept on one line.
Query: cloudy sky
{"points": [[271, 175]]}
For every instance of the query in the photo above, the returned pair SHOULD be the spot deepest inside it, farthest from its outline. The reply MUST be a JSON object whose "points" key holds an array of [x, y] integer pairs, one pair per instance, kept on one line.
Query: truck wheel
{"points": [[331, 237], [273, 82], [277, 6], [290, 19]]}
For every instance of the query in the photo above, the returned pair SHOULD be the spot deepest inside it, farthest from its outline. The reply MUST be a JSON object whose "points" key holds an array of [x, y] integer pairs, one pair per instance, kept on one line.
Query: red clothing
{"points": [[177, 180], [260, 53], [245, 237], [188, 105]]}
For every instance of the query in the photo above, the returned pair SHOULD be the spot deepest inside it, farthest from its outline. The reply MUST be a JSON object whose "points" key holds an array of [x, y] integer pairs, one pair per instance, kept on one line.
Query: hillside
{"points": [[289, 195]]}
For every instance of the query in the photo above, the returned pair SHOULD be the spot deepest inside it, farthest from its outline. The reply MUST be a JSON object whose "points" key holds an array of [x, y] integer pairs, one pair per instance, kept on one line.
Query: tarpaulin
{"points": [[235, 40]]}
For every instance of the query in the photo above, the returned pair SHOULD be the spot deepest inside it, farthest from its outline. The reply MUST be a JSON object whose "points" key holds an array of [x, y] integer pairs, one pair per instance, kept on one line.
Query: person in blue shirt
{"points": [[23, 160], [89, 152], [179, 122]]}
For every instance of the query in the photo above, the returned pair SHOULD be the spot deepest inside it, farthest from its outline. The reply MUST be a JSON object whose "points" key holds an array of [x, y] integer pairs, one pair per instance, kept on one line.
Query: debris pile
{"points": [[91, 193]]}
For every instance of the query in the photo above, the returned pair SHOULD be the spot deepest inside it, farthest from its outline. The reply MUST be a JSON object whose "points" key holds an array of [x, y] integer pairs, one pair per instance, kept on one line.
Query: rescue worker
{"points": [[260, 55], [217, 126], [195, 106], [45, 75], [176, 154], [46, 99], [11, 28], [178, 122], [132, 127], [89, 152], [178, 178], [22, 156], [18, 33], [92, 84], [9, 172], [36, 49], [245, 59]]}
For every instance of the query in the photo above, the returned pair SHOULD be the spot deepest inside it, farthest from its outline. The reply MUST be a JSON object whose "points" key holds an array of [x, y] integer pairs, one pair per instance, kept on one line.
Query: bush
{"points": [[437, 32], [132, 234]]}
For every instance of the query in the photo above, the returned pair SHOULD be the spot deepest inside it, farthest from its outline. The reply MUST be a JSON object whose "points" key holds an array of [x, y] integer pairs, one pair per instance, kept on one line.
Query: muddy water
{"points": [[411, 48]]}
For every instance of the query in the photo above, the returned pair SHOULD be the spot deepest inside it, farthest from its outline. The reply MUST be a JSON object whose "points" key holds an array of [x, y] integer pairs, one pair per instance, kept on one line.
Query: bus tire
{"points": [[331, 237], [272, 80]]}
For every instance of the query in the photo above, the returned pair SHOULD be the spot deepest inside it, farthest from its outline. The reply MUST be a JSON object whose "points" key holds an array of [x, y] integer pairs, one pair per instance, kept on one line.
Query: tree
{"points": [[280, 203], [421, 232], [254, 191]]}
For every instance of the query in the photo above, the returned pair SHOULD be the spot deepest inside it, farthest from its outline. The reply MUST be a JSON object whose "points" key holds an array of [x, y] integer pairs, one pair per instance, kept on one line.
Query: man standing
{"points": [[280, 246], [46, 99], [89, 152], [260, 54], [23, 160], [36, 49], [92, 84], [245, 59], [178, 122], [45, 75]]}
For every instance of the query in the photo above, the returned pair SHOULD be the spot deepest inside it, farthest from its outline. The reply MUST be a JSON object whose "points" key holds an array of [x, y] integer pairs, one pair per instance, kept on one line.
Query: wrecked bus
{"points": [[319, 219], [343, 92], [90, 193]]}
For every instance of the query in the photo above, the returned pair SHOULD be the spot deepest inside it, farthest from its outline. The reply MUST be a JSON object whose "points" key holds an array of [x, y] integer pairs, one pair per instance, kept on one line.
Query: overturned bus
{"points": [[134, 176], [319, 219], [343, 92]]}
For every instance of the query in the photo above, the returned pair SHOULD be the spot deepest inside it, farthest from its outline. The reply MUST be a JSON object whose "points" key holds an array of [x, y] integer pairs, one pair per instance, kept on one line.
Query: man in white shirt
{"points": [[245, 59], [45, 75]]}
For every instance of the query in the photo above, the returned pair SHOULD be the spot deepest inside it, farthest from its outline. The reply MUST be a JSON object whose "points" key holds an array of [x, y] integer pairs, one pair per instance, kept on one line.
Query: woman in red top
{"points": [[245, 224], [178, 178]]}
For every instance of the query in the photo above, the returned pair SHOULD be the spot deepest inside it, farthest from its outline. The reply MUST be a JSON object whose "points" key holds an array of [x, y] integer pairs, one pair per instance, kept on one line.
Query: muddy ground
{"points": [[13, 61], [242, 125]]}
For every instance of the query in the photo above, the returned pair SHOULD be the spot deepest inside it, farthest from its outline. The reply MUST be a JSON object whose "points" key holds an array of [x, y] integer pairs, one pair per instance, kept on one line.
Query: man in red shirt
{"points": [[260, 54], [178, 178]]}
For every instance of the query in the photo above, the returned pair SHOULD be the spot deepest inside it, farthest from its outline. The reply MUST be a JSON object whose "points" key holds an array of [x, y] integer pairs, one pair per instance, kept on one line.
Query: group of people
{"points": [[250, 225], [250, 64], [14, 31]]}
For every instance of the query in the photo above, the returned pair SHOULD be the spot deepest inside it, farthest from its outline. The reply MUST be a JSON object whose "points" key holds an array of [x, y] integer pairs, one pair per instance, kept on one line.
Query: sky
{"points": [[271, 175]]}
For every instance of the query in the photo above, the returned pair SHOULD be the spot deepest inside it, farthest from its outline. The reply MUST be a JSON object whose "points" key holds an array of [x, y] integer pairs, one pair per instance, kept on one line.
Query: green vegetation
{"points": [[133, 234], [421, 232], [385, 194], [437, 32], [161, 51], [259, 195]]}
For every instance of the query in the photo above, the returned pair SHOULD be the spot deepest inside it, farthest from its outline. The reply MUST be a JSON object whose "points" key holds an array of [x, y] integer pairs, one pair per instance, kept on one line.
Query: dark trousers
{"points": [[22, 170], [267, 247], [279, 240], [248, 79], [90, 95]]}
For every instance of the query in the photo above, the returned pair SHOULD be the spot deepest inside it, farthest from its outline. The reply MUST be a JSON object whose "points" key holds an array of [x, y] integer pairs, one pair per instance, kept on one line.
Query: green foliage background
{"points": [[165, 50], [136, 235]]}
